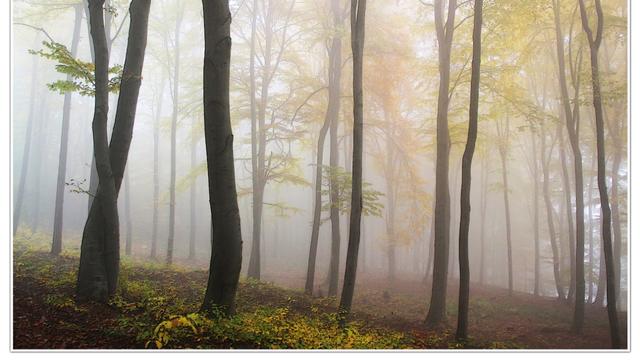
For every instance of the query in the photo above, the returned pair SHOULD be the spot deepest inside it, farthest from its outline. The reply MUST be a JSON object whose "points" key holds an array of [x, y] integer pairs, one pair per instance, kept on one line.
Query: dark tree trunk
{"points": [[174, 125], [226, 247], [444, 31], [358, 9], [594, 45], [99, 255], [544, 159], [56, 243], [465, 188]]}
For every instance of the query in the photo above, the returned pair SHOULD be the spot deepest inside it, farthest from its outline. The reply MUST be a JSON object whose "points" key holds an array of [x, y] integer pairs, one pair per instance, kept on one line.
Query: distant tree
{"points": [[594, 41]]}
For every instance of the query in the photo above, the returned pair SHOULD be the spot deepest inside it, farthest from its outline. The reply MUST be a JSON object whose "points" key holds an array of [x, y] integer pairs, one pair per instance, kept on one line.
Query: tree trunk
{"points": [[594, 45], [465, 187], [174, 125], [99, 255], [437, 306], [56, 243], [358, 8], [226, 247]]}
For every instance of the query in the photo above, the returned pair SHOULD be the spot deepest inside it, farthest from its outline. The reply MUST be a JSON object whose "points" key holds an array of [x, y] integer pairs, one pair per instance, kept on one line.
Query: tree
{"points": [[226, 243], [594, 41], [174, 124], [99, 253], [56, 243], [467, 158], [444, 34], [358, 9]]}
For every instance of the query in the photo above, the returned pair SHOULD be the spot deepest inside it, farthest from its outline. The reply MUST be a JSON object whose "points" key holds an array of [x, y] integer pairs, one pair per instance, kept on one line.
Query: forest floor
{"points": [[156, 307]]}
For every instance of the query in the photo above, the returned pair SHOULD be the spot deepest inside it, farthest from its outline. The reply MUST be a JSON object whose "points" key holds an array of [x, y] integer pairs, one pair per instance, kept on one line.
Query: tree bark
{"points": [[568, 212], [465, 187], [594, 45], [226, 247], [99, 255], [358, 9], [444, 31], [536, 215]]}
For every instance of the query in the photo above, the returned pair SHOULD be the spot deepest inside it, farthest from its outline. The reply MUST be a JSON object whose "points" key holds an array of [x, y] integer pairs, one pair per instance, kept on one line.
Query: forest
{"points": [[319, 174]]}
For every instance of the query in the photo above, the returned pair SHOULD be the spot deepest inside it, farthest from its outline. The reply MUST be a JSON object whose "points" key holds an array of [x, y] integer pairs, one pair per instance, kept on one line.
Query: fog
{"points": [[520, 114]]}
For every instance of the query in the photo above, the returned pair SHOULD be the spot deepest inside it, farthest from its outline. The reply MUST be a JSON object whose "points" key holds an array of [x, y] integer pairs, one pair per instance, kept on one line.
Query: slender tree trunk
{"points": [[255, 176], [100, 249], [40, 134], [594, 45], [156, 170], [615, 218], [358, 9], [174, 125], [226, 247], [544, 158], [56, 244], [444, 31], [465, 187]]}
